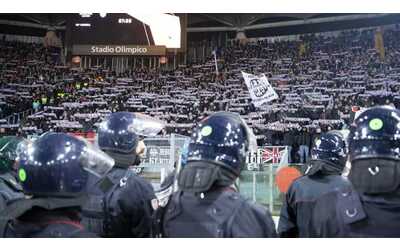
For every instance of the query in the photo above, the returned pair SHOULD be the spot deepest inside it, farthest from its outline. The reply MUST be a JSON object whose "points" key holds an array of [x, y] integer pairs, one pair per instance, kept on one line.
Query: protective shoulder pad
{"points": [[349, 205]]}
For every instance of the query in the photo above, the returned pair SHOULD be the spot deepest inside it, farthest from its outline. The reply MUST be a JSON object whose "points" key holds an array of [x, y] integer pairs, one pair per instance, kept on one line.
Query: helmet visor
{"points": [[95, 161], [146, 126]]}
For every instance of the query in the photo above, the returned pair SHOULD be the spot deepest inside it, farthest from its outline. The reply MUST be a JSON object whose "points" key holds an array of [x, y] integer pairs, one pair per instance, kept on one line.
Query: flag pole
{"points": [[216, 64]]}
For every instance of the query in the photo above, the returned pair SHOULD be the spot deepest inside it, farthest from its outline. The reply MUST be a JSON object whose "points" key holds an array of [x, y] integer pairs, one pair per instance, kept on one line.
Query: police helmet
{"points": [[374, 145], [120, 133], [58, 165], [375, 133], [223, 139], [8, 148], [330, 147]]}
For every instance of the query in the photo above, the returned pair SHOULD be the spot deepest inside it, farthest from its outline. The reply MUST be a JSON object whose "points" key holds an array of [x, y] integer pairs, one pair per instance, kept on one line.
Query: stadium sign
{"points": [[157, 155], [118, 50]]}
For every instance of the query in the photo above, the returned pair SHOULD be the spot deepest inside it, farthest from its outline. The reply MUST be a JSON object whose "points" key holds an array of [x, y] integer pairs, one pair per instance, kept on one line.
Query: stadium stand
{"points": [[319, 80]]}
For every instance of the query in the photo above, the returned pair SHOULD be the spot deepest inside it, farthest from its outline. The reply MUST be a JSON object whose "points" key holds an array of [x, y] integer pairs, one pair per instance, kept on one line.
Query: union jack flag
{"points": [[272, 154]]}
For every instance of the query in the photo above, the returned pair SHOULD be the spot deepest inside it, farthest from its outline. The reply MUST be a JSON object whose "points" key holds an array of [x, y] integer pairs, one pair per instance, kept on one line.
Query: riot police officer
{"points": [[371, 207], [323, 175], [54, 170], [207, 204], [10, 188], [123, 207]]}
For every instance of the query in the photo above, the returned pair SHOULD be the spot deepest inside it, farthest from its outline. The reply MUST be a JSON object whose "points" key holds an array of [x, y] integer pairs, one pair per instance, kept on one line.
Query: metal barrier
{"points": [[261, 188], [259, 181], [161, 156]]}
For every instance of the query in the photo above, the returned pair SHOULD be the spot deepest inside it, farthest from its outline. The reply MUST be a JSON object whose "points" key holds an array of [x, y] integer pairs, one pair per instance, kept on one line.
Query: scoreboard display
{"points": [[126, 33], [108, 29]]}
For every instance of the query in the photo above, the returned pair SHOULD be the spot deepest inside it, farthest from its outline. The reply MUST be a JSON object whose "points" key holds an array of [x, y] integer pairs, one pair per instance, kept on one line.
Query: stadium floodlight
{"points": [[103, 15], [166, 29]]}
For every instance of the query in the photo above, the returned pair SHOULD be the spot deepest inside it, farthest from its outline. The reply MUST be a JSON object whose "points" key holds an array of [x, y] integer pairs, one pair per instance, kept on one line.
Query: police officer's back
{"points": [[10, 188], [54, 171], [207, 205], [371, 207], [322, 176], [122, 205]]}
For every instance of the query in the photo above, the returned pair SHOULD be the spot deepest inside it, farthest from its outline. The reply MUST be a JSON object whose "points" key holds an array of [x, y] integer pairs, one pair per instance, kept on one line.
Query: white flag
{"points": [[260, 90]]}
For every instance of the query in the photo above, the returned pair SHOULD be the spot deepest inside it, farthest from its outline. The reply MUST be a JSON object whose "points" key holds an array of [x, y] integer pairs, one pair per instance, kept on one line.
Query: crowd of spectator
{"points": [[318, 86]]}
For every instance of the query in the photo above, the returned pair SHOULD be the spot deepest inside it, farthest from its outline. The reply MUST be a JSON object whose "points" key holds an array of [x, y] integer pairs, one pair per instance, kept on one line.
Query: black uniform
{"points": [[371, 206], [322, 176], [345, 213], [54, 171], [296, 212], [123, 207], [42, 223], [120, 208], [205, 204], [220, 213]]}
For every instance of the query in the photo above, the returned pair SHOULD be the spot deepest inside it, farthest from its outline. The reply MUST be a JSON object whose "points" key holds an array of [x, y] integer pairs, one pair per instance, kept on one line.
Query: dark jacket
{"points": [[303, 138], [288, 139], [42, 223], [219, 213], [120, 205], [296, 212], [346, 213]]}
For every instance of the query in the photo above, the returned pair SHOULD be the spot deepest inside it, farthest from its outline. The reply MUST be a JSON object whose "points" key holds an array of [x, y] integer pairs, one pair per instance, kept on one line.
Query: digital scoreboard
{"points": [[112, 29], [124, 34]]}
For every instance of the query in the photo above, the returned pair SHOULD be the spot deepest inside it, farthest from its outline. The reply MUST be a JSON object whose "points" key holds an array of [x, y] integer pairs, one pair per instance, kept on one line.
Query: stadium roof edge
{"points": [[286, 23], [31, 25]]}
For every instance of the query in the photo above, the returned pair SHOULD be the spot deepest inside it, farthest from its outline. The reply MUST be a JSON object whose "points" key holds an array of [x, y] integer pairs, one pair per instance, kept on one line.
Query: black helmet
{"points": [[58, 165], [220, 142], [375, 133], [224, 139], [374, 149], [121, 132], [330, 147]]}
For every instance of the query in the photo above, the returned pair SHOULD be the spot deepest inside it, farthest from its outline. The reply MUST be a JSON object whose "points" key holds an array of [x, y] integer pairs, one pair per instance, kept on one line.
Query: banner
{"points": [[260, 90]]}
